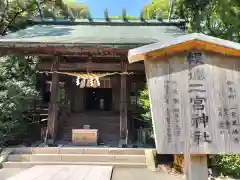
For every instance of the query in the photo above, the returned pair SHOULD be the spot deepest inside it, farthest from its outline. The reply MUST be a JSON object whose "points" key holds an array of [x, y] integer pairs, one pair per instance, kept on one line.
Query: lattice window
{"points": [[133, 87], [61, 90], [49, 85], [105, 83]]}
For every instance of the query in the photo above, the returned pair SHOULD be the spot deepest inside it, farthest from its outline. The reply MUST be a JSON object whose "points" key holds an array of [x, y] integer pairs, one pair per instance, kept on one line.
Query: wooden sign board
{"points": [[196, 93]]}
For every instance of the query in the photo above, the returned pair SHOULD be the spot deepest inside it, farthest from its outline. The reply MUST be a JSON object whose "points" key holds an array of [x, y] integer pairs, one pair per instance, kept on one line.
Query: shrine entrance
{"points": [[98, 99]]}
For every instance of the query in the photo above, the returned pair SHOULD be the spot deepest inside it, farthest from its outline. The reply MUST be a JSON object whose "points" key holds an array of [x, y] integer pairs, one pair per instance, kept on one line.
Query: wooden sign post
{"points": [[192, 83]]}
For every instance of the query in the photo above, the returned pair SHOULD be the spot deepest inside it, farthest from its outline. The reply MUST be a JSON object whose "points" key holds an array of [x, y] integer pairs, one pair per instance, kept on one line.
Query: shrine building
{"points": [[84, 77]]}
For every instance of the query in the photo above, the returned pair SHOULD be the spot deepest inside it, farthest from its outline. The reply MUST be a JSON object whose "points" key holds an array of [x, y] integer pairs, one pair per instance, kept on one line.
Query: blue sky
{"points": [[133, 7]]}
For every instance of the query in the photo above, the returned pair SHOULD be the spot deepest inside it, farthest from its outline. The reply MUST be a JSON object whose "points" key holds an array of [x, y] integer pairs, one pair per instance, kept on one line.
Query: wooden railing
{"points": [[143, 134]]}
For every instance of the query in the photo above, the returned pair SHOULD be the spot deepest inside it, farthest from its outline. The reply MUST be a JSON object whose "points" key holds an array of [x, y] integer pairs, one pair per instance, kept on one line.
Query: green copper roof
{"points": [[90, 33]]}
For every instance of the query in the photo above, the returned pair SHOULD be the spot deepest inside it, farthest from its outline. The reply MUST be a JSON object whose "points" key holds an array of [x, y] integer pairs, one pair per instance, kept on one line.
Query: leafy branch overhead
{"points": [[14, 13], [219, 18]]}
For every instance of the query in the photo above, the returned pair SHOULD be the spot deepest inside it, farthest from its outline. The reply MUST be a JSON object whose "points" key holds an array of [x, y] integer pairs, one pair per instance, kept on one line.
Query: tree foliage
{"points": [[219, 18], [79, 10], [128, 17], [227, 165], [152, 9], [145, 104], [17, 94], [14, 13]]}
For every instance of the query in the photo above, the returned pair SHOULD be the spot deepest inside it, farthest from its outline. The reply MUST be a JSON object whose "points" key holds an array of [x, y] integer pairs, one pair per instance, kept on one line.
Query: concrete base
{"points": [[150, 155]]}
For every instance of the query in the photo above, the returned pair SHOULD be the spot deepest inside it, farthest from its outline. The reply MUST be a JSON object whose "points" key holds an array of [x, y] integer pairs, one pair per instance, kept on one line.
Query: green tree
{"points": [[227, 165], [17, 95], [219, 18], [79, 10], [152, 9], [120, 17], [14, 13], [145, 105]]}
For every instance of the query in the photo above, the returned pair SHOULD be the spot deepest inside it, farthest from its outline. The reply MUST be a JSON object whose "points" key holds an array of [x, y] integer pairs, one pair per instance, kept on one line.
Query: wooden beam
{"points": [[53, 106], [43, 50], [83, 66], [123, 106]]}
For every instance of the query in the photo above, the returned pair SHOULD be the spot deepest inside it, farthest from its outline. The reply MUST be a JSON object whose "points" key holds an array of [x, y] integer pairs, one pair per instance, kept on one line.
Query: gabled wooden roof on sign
{"points": [[116, 33], [183, 43]]}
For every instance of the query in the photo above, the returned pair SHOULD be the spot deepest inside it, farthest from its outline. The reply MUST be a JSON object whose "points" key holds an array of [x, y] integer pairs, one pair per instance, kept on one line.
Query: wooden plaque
{"points": [[196, 93]]}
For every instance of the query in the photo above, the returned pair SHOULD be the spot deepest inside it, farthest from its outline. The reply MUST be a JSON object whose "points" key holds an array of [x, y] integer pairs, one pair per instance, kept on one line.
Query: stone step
{"points": [[101, 131], [77, 158], [91, 120], [68, 137], [78, 150], [31, 164], [101, 134], [97, 117], [93, 123], [113, 127], [107, 118], [99, 127], [80, 124]]}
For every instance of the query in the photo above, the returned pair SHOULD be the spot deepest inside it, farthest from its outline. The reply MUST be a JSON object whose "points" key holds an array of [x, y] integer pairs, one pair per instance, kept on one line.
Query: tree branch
{"points": [[11, 22]]}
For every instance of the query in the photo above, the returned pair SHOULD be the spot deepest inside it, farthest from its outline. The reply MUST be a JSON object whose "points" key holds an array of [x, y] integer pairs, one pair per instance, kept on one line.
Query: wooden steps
{"points": [[107, 123]]}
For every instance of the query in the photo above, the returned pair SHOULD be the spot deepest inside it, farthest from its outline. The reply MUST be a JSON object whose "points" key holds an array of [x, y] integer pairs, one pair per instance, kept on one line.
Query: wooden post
{"points": [[123, 106], [53, 106], [198, 169]]}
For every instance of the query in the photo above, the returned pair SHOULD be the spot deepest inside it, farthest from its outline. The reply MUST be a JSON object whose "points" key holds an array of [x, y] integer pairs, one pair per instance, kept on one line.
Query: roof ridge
{"points": [[112, 22]]}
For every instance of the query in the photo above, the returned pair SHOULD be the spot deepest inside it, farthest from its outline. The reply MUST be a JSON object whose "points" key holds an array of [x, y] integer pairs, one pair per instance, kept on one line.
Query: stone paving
{"points": [[8, 172], [118, 174], [142, 174]]}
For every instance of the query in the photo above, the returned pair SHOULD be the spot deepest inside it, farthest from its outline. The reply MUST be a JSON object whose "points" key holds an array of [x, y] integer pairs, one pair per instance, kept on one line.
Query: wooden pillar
{"points": [[53, 106], [197, 168], [123, 106]]}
